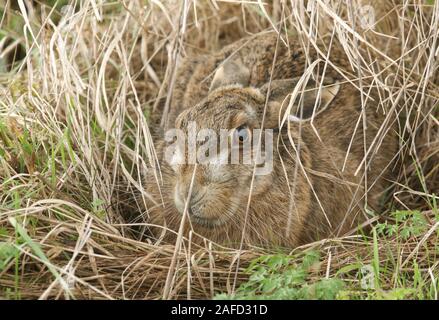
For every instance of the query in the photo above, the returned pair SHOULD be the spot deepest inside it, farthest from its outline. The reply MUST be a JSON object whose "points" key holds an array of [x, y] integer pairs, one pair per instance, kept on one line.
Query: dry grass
{"points": [[75, 118]]}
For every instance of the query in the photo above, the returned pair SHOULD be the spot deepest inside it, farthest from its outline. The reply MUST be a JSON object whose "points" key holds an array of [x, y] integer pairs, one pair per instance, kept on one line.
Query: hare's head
{"points": [[230, 142]]}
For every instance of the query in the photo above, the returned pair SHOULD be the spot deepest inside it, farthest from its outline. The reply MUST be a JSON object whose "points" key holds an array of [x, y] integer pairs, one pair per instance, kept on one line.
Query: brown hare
{"points": [[328, 160]]}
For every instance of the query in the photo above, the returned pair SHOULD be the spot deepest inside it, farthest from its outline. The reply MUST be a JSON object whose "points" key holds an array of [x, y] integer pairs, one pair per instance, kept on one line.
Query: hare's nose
{"points": [[197, 194], [197, 197]]}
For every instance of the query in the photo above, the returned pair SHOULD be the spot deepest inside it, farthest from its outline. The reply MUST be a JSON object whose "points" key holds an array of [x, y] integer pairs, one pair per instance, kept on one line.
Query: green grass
{"points": [[374, 276], [278, 277]]}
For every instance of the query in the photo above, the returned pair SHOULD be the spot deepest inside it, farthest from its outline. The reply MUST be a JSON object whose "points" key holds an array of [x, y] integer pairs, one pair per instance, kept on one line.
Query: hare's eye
{"points": [[242, 134]]}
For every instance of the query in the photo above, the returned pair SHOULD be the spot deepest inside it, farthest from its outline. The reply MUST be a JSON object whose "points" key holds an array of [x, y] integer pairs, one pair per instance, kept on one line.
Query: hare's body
{"points": [[257, 54], [318, 185]]}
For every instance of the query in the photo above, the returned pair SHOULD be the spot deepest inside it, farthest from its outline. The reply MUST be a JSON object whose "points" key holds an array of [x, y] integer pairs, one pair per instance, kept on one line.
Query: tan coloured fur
{"points": [[286, 206]]}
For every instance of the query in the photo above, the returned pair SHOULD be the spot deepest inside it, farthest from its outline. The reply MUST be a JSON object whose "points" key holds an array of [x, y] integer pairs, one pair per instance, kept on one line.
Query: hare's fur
{"points": [[313, 191]]}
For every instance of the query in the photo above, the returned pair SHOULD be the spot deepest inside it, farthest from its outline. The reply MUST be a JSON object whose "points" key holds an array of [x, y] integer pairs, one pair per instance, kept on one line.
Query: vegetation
{"points": [[81, 86]]}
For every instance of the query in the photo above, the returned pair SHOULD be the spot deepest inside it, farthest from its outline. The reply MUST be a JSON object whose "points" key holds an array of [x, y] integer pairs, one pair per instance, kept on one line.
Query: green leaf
{"points": [[7, 253]]}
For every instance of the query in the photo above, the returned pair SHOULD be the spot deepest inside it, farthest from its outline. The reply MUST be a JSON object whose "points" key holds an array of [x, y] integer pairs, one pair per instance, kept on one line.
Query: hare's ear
{"points": [[230, 72], [308, 101]]}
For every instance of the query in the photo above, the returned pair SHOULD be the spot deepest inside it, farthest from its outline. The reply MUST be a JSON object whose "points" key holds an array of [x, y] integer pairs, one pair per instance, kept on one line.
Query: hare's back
{"points": [[256, 53]]}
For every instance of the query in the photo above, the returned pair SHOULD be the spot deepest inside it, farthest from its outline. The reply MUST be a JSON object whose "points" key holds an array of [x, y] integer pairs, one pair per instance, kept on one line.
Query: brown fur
{"points": [[286, 205]]}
